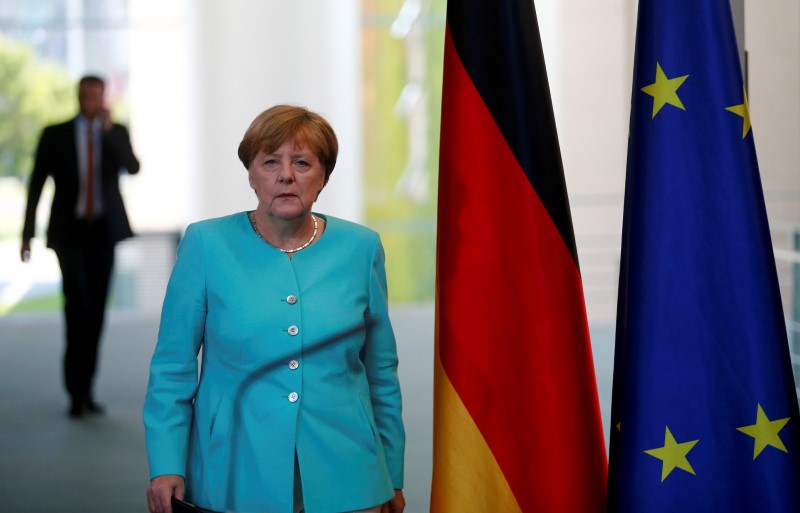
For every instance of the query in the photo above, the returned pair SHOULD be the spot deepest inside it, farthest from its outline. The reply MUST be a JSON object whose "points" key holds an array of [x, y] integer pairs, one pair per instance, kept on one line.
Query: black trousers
{"points": [[86, 265]]}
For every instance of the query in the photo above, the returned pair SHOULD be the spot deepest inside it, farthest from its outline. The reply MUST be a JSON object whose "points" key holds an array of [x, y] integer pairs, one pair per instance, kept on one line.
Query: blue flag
{"points": [[704, 412]]}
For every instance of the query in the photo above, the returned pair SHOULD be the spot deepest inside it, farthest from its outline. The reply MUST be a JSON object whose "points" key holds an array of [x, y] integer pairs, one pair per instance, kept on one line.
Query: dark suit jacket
{"points": [[57, 156]]}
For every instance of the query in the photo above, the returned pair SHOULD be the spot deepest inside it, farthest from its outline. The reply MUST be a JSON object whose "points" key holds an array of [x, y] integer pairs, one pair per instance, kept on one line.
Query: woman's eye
{"points": [[270, 162], [301, 163]]}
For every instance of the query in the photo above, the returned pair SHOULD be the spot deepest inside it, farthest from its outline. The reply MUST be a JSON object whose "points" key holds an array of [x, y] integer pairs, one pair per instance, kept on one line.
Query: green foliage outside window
{"points": [[33, 93], [405, 219]]}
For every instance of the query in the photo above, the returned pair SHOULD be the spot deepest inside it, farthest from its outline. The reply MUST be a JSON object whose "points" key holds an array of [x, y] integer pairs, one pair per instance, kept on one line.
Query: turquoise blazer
{"points": [[277, 378]]}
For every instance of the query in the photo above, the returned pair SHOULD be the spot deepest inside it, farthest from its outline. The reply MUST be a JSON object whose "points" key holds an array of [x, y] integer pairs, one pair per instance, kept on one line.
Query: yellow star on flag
{"points": [[665, 90], [673, 455], [765, 432], [743, 110]]}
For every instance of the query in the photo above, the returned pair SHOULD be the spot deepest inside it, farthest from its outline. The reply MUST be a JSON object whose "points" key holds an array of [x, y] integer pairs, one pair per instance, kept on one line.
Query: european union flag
{"points": [[704, 414]]}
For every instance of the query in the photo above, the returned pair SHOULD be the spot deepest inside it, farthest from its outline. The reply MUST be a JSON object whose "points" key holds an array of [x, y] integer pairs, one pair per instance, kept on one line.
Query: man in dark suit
{"points": [[84, 157]]}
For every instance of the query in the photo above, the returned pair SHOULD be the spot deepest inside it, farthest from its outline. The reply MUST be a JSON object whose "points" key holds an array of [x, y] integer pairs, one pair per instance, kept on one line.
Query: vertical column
{"points": [[773, 89], [75, 35], [160, 115], [248, 56], [588, 40]]}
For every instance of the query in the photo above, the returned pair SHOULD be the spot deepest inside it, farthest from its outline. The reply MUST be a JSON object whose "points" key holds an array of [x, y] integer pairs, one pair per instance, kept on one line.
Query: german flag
{"points": [[516, 415]]}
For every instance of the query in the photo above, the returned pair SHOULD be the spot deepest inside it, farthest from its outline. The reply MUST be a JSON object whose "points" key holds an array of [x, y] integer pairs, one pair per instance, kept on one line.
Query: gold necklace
{"points": [[295, 250]]}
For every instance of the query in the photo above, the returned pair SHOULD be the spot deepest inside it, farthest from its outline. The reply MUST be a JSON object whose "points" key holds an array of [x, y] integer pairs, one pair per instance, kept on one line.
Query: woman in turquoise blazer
{"points": [[296, 405]]}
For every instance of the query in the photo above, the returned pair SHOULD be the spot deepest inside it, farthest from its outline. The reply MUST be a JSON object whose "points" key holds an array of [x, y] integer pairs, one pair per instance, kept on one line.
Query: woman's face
{"points": [[287, 181]]}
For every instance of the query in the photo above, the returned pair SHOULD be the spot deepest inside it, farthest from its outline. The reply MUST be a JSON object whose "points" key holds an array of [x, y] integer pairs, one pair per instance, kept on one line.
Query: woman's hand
{"points": [[161, 491], [396, 504]]}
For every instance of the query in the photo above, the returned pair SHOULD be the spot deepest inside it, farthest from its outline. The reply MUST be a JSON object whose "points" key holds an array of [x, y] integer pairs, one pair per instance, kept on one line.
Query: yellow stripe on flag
{"points": [[466, 476]]}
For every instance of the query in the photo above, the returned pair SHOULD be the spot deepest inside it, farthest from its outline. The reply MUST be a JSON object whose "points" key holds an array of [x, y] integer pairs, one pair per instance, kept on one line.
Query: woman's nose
{"points": [[286, 174]]}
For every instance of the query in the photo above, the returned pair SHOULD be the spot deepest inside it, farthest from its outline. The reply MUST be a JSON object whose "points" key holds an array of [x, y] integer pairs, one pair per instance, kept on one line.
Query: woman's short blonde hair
{"points": [[282, 123]]}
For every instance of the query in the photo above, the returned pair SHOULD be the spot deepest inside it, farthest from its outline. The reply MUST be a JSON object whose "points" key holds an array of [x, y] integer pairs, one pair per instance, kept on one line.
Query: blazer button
{"points": [[294, 364], [293, 397], [293, 330], [291, 299]]}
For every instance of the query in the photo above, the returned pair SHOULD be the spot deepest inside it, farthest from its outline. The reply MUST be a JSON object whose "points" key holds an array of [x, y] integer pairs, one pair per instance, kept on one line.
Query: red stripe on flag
{"points": [[513, 335]]}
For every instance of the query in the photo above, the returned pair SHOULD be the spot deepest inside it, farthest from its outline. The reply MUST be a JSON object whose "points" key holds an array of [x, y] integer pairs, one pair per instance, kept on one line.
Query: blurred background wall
{"points": [[188, 77]]}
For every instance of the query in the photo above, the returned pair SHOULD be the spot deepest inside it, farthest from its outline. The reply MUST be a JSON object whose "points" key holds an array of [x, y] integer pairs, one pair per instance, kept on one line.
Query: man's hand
{"points": [[105, 115], [25, 251]]}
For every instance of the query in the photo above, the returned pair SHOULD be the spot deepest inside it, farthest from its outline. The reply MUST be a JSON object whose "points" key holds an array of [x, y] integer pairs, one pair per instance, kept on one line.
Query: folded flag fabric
{"points": [[704, 411], [516, 412]]}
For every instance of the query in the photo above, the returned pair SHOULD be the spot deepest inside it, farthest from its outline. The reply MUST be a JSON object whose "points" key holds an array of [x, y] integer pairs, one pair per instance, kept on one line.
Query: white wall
{"points": [[251, 54], [159, 196], [201, 71], [772, 40], [589, 52], [589, 49]]}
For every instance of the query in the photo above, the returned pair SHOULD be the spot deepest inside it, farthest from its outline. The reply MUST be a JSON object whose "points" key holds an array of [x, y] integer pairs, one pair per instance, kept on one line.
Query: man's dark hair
{"points": [[92, 79]]}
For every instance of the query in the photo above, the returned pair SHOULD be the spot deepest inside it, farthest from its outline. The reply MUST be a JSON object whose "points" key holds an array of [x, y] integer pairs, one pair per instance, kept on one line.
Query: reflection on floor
{"points": [[50, 463]]}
